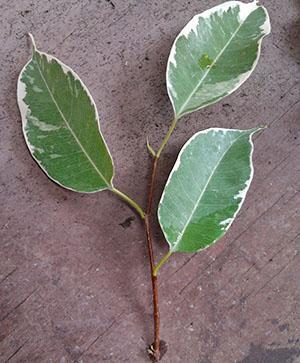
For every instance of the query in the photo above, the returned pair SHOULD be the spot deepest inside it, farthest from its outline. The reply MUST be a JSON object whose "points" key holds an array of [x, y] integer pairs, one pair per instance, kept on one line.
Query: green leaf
{"points": [[214, 54], [206, 188], [61, 125]]}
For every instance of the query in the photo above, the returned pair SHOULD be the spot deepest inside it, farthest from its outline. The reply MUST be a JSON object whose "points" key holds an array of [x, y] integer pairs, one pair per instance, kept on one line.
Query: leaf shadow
{"points": [[289, 34]]}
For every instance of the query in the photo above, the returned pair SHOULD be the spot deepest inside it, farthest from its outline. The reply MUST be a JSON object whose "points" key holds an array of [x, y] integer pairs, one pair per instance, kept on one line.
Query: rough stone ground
{"points": [[74, 281]]}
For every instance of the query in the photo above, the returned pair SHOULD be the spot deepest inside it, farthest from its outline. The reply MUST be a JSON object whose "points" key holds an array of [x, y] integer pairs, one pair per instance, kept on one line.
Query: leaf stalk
{"points": [[130, 201], [163, 260], [166, 138]]}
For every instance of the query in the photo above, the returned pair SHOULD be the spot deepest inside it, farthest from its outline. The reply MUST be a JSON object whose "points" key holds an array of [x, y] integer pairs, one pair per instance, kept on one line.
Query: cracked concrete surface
{"points": [[74, 276]]}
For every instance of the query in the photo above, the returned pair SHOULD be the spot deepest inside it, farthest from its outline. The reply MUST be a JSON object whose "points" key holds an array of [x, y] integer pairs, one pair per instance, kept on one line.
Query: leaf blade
{"points": [[214, 54], [61, 125], [202, 195]]}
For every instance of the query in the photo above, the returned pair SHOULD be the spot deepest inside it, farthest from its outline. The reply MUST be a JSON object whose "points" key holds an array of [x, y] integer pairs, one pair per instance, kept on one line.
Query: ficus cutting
{"points": [[210, 58]]}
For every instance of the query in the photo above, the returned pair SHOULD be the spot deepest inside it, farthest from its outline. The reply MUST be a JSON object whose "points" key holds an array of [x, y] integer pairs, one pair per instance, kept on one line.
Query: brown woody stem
{"points": [[156, 344], [156, 350], [146, 216]]}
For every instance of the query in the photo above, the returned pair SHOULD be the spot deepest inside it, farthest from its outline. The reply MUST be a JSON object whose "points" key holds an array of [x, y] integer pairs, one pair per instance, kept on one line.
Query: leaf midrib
{"points": [[211, 66], [181, 234], [70, 128]]}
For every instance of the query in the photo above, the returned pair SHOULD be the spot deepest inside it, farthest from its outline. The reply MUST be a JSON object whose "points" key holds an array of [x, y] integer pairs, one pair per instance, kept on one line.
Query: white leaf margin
{"points": [[245, 10], [241, 194], [24, 110]]}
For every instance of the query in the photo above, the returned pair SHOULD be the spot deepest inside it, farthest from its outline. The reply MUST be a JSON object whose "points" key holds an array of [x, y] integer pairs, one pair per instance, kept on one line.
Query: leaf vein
{"points": [[179, 238], [70, 128]]}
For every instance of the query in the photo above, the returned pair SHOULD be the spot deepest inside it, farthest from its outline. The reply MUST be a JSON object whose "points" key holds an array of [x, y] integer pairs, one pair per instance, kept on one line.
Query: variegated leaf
{"points": [[61, 125], [214, 54], [206, 188]]}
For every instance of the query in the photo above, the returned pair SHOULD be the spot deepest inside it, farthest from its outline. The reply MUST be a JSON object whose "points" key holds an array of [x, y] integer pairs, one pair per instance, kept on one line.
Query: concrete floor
{"points": [[74, 281]]}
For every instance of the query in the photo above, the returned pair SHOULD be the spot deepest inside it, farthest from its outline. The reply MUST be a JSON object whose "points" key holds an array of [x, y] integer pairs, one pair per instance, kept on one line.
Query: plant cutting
{"points": [[211, 57]]}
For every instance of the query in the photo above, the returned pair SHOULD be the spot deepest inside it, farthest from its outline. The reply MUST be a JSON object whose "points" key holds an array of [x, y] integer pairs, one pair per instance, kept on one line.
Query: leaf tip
{"points": [[258, 128], [261, 127], [32, 42]]}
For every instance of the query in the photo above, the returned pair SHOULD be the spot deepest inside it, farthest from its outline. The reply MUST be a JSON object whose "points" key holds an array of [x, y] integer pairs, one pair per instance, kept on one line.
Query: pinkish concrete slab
{"points": [[74, 279]]}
